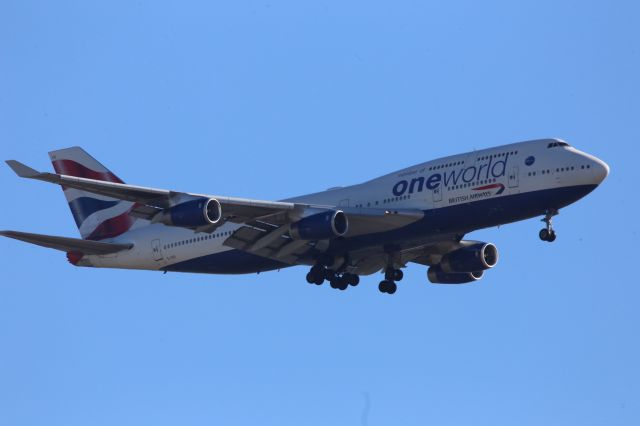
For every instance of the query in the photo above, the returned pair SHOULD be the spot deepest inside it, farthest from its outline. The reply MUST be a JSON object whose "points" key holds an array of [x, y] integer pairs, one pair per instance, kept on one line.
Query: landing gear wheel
{"points": [[544, 234], [548, 234], [392, 287], [353, 279], [316, 275], [387, 287], [311, 279], [339, 283], [329, 274], [342, 284], [391, 274]]}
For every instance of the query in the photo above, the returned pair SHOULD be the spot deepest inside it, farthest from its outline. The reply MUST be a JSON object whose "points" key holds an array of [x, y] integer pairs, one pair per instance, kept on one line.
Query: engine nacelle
{"points": [[320, 226], [193, 213], [437, 276], [477, 257]]}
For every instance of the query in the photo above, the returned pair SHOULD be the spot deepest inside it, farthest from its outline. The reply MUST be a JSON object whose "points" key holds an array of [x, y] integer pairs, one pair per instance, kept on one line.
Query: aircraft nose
{"points": [[600, 169]]}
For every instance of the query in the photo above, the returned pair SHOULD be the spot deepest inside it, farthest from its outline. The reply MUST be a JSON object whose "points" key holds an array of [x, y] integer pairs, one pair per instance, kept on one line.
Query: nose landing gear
{"points": [[548, 234]]}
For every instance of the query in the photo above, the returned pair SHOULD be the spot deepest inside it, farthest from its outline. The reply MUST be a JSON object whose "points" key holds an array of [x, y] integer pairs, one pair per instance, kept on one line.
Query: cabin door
{"points": [[156, 250], [513, 177], [437, 194]]}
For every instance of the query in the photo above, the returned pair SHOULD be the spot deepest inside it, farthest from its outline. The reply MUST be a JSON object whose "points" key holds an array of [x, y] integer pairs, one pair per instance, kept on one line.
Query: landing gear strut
{"points": [[548, 234], [388, 285]]}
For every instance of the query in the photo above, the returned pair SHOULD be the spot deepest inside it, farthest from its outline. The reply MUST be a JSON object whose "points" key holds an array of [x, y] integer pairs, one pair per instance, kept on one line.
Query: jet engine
{"points": [[193, 213], [437, 276], [320, 226], [476, 257]]}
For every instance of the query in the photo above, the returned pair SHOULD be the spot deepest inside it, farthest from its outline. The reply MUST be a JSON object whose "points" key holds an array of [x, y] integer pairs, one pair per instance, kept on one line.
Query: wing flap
{"points": [[67, 244], [271, 242], [271, 238]]}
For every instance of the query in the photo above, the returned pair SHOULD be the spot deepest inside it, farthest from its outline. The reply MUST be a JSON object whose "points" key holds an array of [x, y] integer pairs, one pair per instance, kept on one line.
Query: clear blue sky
{"points": [[272, 99]]}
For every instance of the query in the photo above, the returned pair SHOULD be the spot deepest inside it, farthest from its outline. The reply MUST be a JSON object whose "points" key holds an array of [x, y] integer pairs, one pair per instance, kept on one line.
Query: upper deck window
{"points": [[555, 144]]}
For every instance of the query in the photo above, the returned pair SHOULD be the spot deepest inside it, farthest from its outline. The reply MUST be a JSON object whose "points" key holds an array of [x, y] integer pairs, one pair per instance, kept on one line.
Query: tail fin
{"points": [[96, 216]]}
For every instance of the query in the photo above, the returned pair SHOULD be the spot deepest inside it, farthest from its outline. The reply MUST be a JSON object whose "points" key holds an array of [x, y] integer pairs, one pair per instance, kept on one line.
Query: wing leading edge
{"points": [[235, 209]]}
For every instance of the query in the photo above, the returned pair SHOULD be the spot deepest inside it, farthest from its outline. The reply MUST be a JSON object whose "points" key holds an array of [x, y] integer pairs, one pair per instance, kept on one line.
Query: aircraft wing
{"points": [[67, 244], [151, 200]]}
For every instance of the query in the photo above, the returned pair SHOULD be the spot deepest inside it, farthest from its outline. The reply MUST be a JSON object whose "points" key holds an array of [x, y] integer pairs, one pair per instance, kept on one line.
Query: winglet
{"points": [[22, 170]]}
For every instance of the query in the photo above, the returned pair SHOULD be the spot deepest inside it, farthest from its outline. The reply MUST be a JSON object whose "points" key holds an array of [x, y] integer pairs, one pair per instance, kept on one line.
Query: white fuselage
{"points": [[462, 180]]}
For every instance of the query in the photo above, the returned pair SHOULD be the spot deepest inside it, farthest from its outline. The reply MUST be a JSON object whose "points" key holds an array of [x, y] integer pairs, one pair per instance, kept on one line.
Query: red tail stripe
{"points": [[73, 168], [74, 257], [113, 227]]}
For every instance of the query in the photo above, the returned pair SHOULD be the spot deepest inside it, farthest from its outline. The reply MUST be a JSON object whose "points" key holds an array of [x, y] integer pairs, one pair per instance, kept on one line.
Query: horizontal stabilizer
{"points": [[67, 244], [22, 170]]}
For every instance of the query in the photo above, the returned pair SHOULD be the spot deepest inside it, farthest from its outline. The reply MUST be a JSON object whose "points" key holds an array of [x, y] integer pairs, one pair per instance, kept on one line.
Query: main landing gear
{"points": [[388, 285], [341, 281], [548, 234]]}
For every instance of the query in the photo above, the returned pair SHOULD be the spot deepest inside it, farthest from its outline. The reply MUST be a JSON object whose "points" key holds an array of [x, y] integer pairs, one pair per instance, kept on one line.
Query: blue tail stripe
{"points": [[84, 207]]}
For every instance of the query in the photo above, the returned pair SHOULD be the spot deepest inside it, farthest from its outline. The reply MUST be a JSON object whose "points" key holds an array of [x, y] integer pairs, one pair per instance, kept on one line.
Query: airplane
{"points": [[419, 215]]}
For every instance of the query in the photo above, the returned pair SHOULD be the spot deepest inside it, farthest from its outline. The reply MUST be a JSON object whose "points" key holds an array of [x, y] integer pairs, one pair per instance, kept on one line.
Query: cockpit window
{"points": [[555, 144]]}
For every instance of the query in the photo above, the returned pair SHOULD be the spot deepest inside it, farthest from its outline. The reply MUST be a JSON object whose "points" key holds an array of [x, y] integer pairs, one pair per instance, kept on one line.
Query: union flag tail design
{"points": [[97, 217]]}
